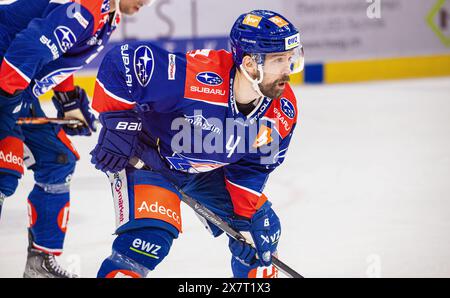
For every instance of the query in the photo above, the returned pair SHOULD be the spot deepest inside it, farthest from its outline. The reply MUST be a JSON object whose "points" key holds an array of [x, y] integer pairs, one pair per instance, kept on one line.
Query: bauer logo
{"points": [[143, 65], [209, 78], [287, 107], [292, 41], [66, 38]]}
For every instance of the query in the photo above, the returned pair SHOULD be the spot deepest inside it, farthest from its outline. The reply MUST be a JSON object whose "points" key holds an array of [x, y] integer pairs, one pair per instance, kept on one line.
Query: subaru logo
{"points": [[66, 38], [143, 65], [209, 78], [106, 7], [287, 107]]}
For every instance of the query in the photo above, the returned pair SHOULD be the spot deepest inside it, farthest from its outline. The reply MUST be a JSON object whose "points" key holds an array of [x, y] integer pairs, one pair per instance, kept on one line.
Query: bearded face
{"points": [[273, 87]]}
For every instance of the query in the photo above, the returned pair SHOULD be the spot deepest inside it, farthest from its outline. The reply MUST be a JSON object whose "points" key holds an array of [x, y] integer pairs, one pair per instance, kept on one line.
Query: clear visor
{"points": [[283, 63]]}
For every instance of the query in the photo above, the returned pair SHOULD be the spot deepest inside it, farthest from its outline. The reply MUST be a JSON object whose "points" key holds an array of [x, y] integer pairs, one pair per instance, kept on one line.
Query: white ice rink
{"points": [[364, 191]]}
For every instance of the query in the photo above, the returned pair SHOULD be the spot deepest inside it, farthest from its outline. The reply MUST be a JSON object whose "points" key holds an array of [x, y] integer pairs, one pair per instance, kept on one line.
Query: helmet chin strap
{"points": [[255, 83]]}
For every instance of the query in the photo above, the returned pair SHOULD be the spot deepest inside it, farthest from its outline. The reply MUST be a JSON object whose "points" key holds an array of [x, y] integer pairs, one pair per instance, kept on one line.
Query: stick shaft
{"points": [[44, 120]]}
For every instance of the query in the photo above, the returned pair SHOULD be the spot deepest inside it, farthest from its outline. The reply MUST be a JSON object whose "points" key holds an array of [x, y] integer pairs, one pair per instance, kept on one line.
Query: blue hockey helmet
{"points": [[261, 32], [271, 41]]}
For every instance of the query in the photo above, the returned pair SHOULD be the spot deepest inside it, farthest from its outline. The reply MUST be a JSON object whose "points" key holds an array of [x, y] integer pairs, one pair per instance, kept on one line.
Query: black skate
{"points": [[43, 265]]}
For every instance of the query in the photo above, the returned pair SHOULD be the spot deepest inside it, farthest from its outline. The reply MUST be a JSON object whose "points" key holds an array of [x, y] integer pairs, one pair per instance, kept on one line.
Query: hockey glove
{"points": [[75, 105], [117, 141], [259, 228]]}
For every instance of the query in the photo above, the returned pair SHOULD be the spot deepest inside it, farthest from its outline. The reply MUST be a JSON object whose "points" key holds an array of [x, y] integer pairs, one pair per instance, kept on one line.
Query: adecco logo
{"points": [[159, 209], [156, 202], [11, 158], [11, 154]]}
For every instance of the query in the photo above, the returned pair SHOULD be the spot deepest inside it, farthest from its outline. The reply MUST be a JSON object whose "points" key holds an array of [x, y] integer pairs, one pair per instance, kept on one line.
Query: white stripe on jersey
{"points": [[60, 1]]}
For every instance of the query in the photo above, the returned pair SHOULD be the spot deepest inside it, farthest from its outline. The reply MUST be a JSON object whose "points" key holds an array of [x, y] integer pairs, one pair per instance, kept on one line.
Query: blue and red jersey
{"points": [[45, 41], [187, 102]]}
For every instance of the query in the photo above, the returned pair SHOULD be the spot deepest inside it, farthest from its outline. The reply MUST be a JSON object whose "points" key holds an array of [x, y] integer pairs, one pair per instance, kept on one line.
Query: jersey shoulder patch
{"points": [[208, 76], [283, 111], [99, 9]]}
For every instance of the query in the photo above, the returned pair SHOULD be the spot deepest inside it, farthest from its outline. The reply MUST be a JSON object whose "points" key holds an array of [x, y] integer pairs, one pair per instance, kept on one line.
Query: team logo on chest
{"points": [[66, 38], [143, 65], [287, 107], [209, 78], [106, 6]]}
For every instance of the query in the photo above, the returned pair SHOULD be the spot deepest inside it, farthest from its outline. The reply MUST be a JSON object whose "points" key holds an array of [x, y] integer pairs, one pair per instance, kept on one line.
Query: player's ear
{"points": [[250, 65]]}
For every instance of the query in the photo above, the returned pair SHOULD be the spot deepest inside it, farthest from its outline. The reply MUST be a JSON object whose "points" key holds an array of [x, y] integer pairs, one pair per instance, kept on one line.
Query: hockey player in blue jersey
{"points": [[211, 123], [42, 43]]}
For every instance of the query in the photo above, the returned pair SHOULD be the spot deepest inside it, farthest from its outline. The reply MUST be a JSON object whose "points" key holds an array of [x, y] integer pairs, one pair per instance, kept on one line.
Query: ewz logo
{"points": [[66, 38], [287, 107], [292, 41], [209, 78], [144, 65]]}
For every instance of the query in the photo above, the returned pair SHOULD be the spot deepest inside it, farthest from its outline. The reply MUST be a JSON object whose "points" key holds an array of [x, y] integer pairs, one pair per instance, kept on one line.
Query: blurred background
{"points": [[344, 40]]}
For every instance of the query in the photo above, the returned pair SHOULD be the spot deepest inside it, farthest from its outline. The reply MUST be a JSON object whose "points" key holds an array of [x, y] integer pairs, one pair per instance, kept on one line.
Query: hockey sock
{"points": [[49, 214], [137, 252]]}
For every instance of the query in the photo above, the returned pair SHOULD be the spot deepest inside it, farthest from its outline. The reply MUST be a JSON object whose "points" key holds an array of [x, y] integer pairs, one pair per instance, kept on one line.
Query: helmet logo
{"points": [[292, 41], [252, 20], [209, 78], [280, 22]]}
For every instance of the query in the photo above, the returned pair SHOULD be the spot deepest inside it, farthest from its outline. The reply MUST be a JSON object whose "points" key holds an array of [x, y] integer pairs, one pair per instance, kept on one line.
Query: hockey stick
{"points": [[219, 222], [43, 120]]}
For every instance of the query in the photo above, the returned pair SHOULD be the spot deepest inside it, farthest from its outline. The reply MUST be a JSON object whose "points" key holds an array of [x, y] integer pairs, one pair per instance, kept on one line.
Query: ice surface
{"points": [[364, 191]]}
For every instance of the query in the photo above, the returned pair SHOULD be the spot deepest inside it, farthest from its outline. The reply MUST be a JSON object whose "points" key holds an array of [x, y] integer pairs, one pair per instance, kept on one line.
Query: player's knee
{"points": [[146, 247], [8, 184], [56, 175]]}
